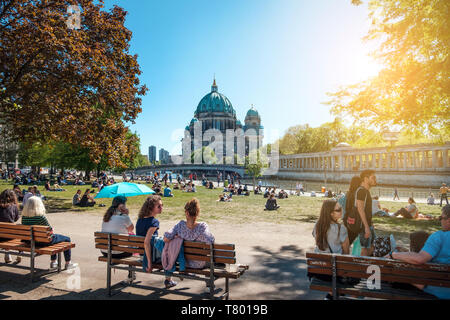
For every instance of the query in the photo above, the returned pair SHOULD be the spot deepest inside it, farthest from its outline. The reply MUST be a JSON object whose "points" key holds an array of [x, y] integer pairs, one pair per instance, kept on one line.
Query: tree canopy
{"points": [[65, 85], [413, 89]]}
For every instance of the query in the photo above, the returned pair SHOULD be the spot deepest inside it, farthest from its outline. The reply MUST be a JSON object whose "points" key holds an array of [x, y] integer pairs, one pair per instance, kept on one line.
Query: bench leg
{"points": [[59, 262], [227, 289], [32, 268], [108, 279]]}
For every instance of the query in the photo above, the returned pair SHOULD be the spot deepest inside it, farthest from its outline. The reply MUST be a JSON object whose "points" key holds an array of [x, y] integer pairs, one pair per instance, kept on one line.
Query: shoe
{"points": [[70, 265], [328, 297], [53, 265], [18, 260], [169, 283], [7, 258]]}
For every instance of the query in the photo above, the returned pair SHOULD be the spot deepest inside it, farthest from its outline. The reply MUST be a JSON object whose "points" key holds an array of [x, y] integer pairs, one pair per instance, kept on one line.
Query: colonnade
{"points": [[421, 157]]}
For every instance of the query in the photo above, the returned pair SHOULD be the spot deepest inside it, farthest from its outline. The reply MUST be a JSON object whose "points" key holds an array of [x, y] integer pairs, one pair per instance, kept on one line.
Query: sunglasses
{"points": [[442, 218]]}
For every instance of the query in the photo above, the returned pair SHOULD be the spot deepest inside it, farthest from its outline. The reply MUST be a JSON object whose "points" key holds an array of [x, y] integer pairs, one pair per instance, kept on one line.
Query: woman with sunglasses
{"points": [[330, 235], [147, 226]]}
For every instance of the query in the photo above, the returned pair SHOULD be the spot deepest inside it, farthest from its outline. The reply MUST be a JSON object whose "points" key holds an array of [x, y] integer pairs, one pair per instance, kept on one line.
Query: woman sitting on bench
{"points": [[191, 230], [9, 212], [330, 235], [34, 214]]}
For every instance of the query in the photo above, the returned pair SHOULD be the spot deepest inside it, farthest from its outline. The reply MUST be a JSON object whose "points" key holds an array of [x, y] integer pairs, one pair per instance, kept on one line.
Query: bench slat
{"points": [[390, 278], [22, 237], [38, 228], [386, 291], [204, 258], [385, 270], [119, 242], [48, 250], [217, 253], [118, 248], [25, 232], [202, 245], [378, 261], [220, 273], [104, 235]]}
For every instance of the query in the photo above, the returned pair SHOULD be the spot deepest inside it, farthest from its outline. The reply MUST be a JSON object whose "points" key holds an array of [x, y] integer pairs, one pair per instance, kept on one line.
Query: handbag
{"points": [[353, 221], [382, 246]]}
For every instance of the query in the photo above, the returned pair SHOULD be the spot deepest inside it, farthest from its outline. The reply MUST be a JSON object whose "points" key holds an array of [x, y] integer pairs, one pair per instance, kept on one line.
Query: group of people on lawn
{"points": [[355, 210], [341, 222]]}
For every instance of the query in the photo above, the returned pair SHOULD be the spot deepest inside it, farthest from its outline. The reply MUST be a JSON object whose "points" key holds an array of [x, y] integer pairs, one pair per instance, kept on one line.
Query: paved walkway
{"points": [[275, 253]]}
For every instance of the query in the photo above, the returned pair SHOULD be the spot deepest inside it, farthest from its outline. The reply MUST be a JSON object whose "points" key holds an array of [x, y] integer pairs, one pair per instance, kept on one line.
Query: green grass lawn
{"points": [[242, 209]]}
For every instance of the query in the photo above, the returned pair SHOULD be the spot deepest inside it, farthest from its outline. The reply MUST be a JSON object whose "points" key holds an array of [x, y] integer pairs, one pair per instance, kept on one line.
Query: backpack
{"points": [[353, 221]]}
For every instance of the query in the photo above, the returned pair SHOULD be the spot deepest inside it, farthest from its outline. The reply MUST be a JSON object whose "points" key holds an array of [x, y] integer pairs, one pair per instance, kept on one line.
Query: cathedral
{"points": [[215, 117]]}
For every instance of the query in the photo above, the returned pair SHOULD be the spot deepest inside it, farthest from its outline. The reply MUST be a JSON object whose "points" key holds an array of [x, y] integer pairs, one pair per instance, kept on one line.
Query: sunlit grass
{"points": [[242, 210]]}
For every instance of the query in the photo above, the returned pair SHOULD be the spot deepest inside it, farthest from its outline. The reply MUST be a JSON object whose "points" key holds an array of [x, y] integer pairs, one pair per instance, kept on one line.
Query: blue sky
{"points": [[282, 56]]}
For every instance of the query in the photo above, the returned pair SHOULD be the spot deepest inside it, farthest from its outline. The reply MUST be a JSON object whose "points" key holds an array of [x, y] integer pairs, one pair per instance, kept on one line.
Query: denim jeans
{"points": [[58, 238]]}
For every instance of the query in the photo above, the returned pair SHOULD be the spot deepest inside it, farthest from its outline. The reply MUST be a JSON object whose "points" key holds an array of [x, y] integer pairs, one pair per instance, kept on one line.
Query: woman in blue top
{"points": [[147, 226]]}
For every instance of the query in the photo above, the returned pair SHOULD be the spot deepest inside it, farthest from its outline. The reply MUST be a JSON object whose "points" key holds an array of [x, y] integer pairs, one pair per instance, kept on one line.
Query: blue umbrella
{"points": [[126, 189]]}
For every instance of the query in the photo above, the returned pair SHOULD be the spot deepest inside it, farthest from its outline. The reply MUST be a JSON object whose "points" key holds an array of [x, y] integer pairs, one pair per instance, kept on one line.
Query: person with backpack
{"points": [[359, 213]]}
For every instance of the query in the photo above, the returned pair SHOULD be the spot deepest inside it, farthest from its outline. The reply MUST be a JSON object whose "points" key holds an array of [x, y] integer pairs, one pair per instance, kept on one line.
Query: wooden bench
{"points": [[214, 254], [391, 271], [31, 241]]}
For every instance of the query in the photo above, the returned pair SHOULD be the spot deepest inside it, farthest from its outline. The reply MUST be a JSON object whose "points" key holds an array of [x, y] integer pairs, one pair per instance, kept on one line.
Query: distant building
{"points": [[215, 113], [152, 154], [163, 156]]}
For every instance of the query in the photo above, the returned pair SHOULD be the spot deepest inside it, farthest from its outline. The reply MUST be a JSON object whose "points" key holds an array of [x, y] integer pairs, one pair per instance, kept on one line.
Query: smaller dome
{"points": [[194, 120], [252, 112], [187, 128], [238, 123]]}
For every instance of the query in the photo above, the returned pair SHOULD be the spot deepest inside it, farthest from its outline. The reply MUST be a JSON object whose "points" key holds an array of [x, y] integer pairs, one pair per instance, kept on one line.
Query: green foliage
{"points": [[412, 91]]}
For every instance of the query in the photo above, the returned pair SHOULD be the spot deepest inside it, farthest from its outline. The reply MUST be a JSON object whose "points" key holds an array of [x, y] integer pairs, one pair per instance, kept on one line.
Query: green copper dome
{"points": [[215, 102], [252, 113]]}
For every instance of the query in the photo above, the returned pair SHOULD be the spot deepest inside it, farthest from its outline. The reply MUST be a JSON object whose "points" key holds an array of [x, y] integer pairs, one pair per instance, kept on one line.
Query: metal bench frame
{"points": [[181, 274]]}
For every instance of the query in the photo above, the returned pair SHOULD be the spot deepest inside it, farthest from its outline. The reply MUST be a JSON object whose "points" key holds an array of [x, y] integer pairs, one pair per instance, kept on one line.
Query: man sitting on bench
{"points": [[435, 250]]}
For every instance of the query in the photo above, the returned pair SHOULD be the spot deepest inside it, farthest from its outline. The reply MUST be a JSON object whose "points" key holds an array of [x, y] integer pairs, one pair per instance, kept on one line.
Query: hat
{"points": [[119, 200]]}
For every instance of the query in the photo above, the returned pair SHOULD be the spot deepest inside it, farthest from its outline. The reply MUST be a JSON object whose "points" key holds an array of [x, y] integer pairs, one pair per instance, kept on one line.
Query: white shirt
{"points": [[117, 224]]}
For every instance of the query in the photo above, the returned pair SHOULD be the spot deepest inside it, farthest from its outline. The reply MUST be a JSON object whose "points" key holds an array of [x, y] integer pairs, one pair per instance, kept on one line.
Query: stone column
{"points": [[333, 163], [405, 160], [444, 158], [434, 159], [424, 160], [389, 161]]}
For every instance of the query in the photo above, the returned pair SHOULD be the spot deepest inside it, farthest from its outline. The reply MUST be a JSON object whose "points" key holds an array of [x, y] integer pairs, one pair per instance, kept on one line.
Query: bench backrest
{"points": [[390, 270], [193, 250], [18, 231]]}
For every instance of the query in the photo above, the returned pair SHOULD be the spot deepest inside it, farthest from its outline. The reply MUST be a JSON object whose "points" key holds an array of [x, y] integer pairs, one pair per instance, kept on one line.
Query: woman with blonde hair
{"points": [[34, 214]]}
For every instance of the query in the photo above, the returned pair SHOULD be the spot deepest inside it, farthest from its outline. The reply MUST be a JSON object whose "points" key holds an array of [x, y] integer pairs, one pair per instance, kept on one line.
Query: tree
{"points": [[413, 89], [74, 86], [255, 163]]}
